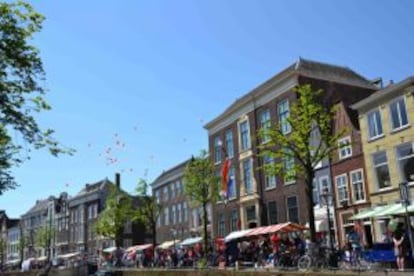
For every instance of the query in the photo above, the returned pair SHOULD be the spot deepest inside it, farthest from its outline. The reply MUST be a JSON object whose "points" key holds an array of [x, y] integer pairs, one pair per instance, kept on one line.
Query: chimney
{"points": [[118, 180]]}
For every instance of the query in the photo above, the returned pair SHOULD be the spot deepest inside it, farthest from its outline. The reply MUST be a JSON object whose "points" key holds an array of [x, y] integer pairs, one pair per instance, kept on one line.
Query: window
{"points": [[398, 112], [166, 193], [292, 208], [265, 125], [179, 213], [231, 185], [357, 184], [229, 143], [405, 159], [247, 176], [217, 150], [324, 184], [283, 111], [270, 179], [341, 185], [128, 227], [185, 215], [288, 167], [221, 226], [166, 216], [374, 124], [381, 171], [244, 135], [345, 147], [157, 195], [251, 212], [173, 214], [172, 190], [272, 211], [234, 219]]}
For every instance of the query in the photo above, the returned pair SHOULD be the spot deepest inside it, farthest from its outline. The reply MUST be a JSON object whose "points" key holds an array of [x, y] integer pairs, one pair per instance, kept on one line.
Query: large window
{"points": [[381, 171], [405, 158], [251, 212], [357, 184], [221, 226], [173, 217], [185, 211], [234, 220], [179, 213], [315, 192], [165, 193], [270, 179], [172, 190], [398, 112], [247, 176], [166, 216], [292, 209], [217, 150], [374, 124], [272, 211], [341, 185], [231, 185], [229, 143], [265, 124], [288, 167], [283, 111], [345, 147], [244, 135]]}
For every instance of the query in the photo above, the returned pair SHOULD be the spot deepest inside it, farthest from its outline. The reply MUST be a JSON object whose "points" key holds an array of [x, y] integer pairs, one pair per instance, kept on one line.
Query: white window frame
{"points": [[232, 175], [376, 126], [243, 162], [248, 146], [217, 150], [345, 186], [270, 180], [320, 181], [351, 173], [229, 143], [288, 161], [393, 128], [375, 166], [287, 207], [265, 124], [286, 128], [398, 159], [345, 151]]}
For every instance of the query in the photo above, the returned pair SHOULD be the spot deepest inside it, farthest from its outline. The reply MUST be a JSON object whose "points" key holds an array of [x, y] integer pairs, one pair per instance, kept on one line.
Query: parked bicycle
{"points": [[316, 257]]}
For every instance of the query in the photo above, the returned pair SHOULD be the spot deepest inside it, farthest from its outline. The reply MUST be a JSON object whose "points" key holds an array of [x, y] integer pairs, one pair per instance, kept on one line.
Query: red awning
{"points": [[281, 227]]}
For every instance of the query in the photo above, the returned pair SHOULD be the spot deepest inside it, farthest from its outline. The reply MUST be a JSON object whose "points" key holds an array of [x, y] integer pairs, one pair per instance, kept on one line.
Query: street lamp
{"points": [[328, 197]]}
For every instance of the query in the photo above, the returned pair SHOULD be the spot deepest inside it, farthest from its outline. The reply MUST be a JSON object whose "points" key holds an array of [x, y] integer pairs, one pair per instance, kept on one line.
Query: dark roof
{"points": [[91, 188], [172, 171], [306, 68], [40, 205], [384, 93]]}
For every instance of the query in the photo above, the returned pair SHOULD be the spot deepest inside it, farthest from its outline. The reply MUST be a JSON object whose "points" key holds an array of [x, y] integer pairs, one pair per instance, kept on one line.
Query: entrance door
{"points": [[368, 235]]}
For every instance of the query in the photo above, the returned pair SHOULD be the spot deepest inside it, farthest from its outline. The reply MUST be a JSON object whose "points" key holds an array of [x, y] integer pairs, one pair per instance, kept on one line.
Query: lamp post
{"points": [[327, 196]]}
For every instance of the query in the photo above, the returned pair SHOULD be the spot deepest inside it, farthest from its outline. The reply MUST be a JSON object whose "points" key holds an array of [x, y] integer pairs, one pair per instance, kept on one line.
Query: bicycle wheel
{"points": [[304, 263]]}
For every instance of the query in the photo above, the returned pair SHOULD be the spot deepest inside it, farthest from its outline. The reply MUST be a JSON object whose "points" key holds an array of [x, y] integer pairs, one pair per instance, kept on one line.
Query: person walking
{"points": [[399, 249]]}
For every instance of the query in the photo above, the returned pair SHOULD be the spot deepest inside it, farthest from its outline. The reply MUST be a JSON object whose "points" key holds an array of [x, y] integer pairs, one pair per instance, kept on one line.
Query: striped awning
{"points": [[139, 247], [281, 227], [368, 213], [236, 235], [388, 210]]}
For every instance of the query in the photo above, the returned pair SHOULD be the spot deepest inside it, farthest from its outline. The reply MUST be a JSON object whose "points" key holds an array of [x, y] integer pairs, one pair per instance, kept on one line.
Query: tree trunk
{"points": [[205, 221], [309, 195]]}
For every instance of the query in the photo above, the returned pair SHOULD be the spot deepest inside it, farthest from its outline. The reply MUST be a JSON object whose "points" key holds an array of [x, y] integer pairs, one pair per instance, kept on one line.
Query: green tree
{"points": [[148, 211], [201, 186], [21, 94], [117, 212], [44, 237], [300, 142]]}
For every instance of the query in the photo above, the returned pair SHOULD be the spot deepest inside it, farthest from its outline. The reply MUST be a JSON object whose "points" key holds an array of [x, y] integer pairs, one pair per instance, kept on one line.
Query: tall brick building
{"points": [[258, 199]]}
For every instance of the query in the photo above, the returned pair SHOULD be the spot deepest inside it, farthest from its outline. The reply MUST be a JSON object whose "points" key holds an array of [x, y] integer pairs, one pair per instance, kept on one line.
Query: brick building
{"points": [[258, 199]]}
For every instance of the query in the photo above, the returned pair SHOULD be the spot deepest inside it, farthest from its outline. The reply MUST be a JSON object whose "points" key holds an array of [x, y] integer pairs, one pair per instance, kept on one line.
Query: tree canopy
{"points": [[117, 212], [201, 186], [294, 146], [148, 211], [21, 90]]}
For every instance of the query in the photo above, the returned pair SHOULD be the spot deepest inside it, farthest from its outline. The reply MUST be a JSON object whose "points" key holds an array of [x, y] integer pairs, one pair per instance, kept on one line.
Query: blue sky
{"points": [[143, 77]]}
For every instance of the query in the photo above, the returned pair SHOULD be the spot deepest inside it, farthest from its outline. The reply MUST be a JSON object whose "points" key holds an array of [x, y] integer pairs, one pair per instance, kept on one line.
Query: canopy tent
{"points": [[191, 241], [281, 227], [69, 255], [139, 247], [388, 210], [13, 262], [168, 244], [401, 210], [41, 259], [368, 213], [236, 235], [109, 249]]}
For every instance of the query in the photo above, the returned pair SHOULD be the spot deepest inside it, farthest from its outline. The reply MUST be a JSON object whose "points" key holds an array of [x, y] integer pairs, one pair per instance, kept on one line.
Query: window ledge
{"points": [[270, 188], [385, 189], [359, 201], [345, 157], [400, 129], [290, 182], [375, 138]]}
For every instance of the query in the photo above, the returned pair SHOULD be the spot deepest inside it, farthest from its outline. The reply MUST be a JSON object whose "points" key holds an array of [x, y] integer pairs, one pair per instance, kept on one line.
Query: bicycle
{"points": [[355, 260], [314, 258]]}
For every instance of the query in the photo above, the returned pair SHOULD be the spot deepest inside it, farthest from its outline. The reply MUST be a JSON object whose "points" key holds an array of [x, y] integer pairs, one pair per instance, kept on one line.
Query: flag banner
{"points": [[225, 177]]}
